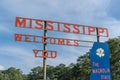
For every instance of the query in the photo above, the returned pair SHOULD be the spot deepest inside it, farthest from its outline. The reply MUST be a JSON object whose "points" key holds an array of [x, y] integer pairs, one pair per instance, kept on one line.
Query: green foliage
{"points": [[1, 75], [114, 45], [62, 72], [11, 74], [36, 73], [50, 72], [84, 66]]}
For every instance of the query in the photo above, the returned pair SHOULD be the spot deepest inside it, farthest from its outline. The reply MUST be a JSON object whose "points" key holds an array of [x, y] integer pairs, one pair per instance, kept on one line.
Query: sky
{"points": [[99, 13]]}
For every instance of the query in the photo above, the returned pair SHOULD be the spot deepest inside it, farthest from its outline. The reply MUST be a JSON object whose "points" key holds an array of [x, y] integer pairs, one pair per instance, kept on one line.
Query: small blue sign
{"points": [[99, 59]]}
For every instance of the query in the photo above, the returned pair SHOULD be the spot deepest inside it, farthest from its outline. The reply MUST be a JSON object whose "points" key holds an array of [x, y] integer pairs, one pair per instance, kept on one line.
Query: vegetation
{"points": [[78, 71]]}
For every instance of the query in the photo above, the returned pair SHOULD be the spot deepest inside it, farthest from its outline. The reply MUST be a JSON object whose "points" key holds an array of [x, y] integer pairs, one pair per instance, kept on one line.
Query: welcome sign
{"points": [[99, 60], [49, 25], [99, 56]]}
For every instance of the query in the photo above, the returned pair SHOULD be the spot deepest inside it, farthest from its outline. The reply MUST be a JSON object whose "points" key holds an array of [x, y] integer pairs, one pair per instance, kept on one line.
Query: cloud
{"points": [[4, 29], [16, 51], [2, 67], [18, 57], [113, 26], [113, 10], [82, 10]]}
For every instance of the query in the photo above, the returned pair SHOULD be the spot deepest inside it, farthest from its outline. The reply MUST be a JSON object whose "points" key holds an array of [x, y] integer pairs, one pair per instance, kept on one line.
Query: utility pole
{"points": [[45, 48], [98, 37]]}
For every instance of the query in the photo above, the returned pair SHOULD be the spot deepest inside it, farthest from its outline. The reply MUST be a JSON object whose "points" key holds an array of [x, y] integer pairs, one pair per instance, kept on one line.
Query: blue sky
{"points": [[101, 13]]}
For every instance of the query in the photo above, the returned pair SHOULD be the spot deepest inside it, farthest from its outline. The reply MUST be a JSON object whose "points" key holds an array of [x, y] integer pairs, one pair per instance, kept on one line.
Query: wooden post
{"points": [[45, 48], [98, 37]]}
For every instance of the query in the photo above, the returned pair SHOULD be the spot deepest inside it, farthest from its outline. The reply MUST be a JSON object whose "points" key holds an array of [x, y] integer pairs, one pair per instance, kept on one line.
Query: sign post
{"points": [[98, 37], [45, 48]]}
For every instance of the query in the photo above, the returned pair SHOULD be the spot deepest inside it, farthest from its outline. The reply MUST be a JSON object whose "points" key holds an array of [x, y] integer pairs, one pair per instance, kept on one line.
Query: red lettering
{"points": [[36, 53], [30, 23], [52, 40], [55, 54], [76, 43], [68, 42], [39, 25], [34, 37], [21, 23], [18, 37], [61, 41], [43, 40], [107, 32], [100, 31], [76, 27], [45, 54], [83, 29], [27, 38], [67, 26], [91, 29], [49, 25], [58, 26]]}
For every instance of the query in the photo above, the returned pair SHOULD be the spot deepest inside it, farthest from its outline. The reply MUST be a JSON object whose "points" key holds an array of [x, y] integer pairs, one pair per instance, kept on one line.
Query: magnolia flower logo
{"points": [[100, 52]]}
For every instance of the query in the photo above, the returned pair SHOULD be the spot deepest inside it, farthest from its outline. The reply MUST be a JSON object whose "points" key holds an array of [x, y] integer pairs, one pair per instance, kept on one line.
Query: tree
{"points": [[25, 77], [11, 74], [114, 45], [75, 71], [83, 62], [14, 74], [50, 72], [1, 75], [62, 72], [36, 73]]}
